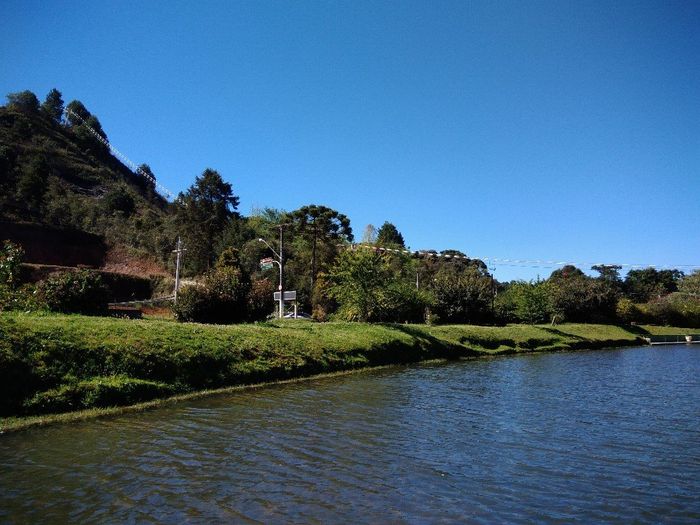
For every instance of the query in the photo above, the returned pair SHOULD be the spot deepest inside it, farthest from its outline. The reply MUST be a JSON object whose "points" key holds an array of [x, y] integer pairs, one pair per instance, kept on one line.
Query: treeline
{"points": [[57, 171]]}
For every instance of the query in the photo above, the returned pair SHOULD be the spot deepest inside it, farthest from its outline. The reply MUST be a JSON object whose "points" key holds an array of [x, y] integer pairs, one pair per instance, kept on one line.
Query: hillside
{"points": [[57, 181]]}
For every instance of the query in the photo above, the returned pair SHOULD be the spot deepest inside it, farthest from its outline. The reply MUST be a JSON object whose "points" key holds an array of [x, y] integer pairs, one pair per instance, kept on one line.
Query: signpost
{"points": [[267, 263], [288, 296]]}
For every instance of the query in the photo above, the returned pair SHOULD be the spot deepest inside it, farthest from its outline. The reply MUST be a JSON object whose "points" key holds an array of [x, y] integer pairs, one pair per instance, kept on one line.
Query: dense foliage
{"points": [[79, 291], [56, 170]]}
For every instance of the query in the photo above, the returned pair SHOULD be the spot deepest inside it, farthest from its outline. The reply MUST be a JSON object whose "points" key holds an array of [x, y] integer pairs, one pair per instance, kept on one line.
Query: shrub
{"points": [[524, 302], [462, 295], [627, 311], [220, 299], [368, 288], [23, 298], [79, 291], [119, 199], [11, 256], [23, 101], [673, 309], [403, 303], [260, 299]]}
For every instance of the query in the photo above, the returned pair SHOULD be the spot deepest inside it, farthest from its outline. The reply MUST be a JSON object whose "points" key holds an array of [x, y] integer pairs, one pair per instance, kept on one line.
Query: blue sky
{"points": [[520, 130]]}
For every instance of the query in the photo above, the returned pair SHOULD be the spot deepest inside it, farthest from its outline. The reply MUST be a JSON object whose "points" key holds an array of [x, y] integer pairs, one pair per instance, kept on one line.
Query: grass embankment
{"points": [[61, 363]]}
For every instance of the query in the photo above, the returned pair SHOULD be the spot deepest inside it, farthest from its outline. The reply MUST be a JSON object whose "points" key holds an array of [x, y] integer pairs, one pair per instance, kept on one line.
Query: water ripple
{"points": [[607, 436]]}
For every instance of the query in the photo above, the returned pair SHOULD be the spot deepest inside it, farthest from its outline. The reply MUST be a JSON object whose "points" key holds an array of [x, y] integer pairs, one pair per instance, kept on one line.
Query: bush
{"points": [[524, 302], [260, 299], [11, 256], [628, 312], [674, 309], [79, 291], [23, 101], [403, 303], [462, 296], [368, 288], [220, 299], [23, 298], [119, 199]]}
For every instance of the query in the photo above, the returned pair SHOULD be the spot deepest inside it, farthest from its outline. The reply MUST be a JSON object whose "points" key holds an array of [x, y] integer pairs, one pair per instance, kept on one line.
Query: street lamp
{"points": [[279, 263]]}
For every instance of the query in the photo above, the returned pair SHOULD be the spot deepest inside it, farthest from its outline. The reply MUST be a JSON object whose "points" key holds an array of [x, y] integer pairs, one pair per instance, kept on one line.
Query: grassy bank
{"points": [[60, 363]]}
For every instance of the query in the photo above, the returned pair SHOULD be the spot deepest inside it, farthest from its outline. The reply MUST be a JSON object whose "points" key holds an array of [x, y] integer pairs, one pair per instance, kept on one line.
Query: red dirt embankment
{"points": [[54, 246], [48, 246], [119, 260]]}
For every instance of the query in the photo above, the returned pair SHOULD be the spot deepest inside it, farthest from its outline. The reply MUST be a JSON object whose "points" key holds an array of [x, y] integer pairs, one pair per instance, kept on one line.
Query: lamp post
{"points": [[280, 263]]}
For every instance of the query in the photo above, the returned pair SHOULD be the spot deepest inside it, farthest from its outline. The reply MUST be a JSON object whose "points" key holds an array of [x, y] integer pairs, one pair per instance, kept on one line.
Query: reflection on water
{"points": [[609, 436]]}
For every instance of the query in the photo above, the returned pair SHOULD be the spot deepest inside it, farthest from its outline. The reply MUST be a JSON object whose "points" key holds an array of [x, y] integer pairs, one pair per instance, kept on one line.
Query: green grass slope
{"points": [[61, 363]]}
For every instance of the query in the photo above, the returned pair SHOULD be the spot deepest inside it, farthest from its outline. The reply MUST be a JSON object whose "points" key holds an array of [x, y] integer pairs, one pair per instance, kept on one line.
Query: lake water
{"points": [[603, 436]]}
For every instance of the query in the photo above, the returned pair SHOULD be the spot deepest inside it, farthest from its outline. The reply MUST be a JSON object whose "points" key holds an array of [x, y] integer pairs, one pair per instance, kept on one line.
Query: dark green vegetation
{"points": [[58, 172], [59, 363], [55, 172]]}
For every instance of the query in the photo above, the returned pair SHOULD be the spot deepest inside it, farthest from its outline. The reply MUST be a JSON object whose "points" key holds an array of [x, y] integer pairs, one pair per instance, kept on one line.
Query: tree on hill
{"points": [[119, 200], [649, 283], [576, 297], [31, 185], [145, 170], [202, 213], [77, 113], [53, 106], [320, 225], [79, 119], [608, 272], [370, 235], [23, 101], [389, 236]]}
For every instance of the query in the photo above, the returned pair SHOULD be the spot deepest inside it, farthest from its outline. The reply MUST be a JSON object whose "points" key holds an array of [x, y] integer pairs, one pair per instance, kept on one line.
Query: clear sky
{"points": [[521, 130]]}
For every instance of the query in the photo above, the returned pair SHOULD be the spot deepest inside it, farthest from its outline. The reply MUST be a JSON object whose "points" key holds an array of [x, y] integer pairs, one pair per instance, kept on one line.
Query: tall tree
{"points": [[31, 185], [648, 283], [145, 170], [608, 272], [576, 297], [75, 107], [462, 295], [202, 214], [367, 287], [389, 236], [53, 105], [320, 224], [81, 122], [370, 235]]}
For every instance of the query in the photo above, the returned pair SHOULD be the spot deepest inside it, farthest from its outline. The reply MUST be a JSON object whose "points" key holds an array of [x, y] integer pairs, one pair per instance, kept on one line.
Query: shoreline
{"points": [[259, 356], [18, 424]]}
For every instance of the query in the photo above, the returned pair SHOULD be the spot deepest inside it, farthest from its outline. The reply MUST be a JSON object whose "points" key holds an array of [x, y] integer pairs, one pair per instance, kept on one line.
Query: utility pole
{"points": [[179, 251]]}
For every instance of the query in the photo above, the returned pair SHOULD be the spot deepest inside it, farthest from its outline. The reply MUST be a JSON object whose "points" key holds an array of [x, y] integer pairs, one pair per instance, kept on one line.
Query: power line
{"points": [[524, 263], [126, 160]]}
